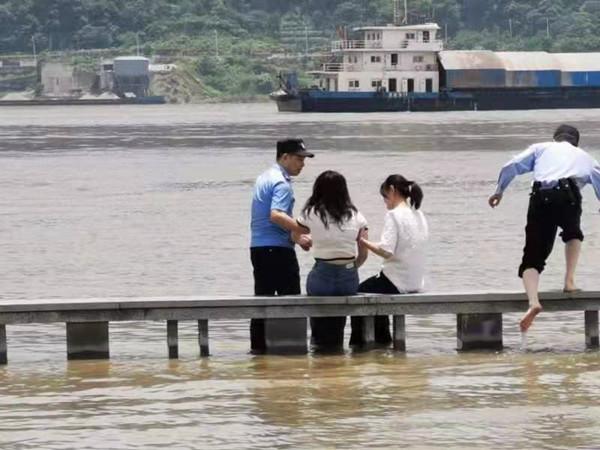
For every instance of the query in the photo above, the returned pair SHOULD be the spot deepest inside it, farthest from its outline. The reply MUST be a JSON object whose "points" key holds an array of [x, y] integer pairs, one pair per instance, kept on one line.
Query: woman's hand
{"points": [[363, 235], [303, 240]]}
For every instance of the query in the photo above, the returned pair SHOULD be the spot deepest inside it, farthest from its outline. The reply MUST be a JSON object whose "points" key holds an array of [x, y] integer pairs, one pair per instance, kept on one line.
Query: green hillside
{"points": [[235, 47]]}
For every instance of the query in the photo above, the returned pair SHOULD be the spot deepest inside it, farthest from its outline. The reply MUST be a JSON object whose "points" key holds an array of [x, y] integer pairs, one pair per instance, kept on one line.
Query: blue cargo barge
{"points": [[467, 100], [405, 68]]}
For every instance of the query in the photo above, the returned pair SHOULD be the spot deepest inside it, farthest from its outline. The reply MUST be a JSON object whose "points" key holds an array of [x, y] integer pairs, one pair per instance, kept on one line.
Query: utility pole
{"points": [[547, 28], [306, 41], [34, 51], [405, 21], [216, 44], [137, 43], [510, 27]]}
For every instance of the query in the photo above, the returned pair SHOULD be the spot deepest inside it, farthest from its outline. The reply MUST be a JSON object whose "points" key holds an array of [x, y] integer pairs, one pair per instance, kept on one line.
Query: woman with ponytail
{"points": [[402, 246]]}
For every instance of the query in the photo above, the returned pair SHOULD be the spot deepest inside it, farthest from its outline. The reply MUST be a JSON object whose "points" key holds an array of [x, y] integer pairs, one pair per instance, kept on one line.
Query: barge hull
{"points": [[464, 100]]}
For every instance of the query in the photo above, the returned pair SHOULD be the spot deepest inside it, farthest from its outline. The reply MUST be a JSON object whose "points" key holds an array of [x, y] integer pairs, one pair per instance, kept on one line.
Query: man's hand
{"points": [[495, 200], [304, 241]]}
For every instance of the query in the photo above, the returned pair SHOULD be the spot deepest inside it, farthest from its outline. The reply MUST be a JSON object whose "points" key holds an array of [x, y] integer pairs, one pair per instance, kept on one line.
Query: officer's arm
{"points": [[281, 202], [520, 164], [284, 221]]}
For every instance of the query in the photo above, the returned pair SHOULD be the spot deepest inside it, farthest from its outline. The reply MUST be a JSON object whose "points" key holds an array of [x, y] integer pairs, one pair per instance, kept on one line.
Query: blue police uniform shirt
{"points": [[273, 190], [551, 161]]}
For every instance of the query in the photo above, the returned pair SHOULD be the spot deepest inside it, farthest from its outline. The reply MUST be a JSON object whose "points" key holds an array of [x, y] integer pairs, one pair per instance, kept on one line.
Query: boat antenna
{"points": [[397, 18]]}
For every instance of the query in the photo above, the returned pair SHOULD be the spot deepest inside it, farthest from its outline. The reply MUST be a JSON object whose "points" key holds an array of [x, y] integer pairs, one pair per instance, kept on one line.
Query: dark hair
{"points": [[567, 133], [330, 197], [407, 189]]}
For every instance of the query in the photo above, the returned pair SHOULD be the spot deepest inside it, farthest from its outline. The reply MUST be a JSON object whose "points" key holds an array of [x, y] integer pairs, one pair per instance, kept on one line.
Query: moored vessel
{"points": [[405, 68]]}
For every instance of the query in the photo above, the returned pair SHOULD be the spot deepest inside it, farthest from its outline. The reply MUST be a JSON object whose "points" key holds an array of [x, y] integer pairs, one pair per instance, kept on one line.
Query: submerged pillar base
{"points": [[203, 338], [172, 339], [592, 340], [87, 340], [3, 357], [399, 333], [286, 336], [479, 331]]}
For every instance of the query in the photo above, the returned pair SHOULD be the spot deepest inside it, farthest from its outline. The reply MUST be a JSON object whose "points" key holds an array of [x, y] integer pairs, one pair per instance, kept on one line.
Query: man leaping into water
{"points": [[560, 169]]}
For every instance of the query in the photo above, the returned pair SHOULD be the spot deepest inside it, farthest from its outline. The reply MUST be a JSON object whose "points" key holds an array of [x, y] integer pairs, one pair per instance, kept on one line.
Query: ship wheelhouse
{"points": [[395, 59]]}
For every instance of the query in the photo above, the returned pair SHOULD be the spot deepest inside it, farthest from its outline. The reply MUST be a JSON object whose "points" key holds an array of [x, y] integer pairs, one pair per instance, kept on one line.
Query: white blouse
{"points": [[405, 235], [336, 241]]}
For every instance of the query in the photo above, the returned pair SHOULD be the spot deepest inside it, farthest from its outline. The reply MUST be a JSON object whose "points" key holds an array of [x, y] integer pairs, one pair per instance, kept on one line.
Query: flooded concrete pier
{"points": [[479, 317]]}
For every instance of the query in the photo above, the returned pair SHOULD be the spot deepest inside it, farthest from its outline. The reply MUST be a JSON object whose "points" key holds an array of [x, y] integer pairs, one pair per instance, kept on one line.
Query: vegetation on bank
{"points": [[234, 48]]}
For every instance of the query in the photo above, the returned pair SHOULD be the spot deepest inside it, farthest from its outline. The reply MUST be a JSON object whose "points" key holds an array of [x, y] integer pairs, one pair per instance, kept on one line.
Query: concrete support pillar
{"points": [[172, 339], [479, 331], [591, 330], [399, 333], [3, 357], [203, 338], [286, 336], [368, 331], [87, 340]]}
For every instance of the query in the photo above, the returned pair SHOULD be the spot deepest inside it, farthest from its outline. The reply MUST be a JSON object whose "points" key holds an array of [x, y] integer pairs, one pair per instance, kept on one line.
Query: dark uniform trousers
{"points": [[276, 272], [379, 284], [549, 209]]}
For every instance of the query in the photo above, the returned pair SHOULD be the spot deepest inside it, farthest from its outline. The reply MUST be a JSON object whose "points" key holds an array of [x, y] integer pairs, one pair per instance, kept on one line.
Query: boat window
{"points": [[417, 59], [376, 83], [375, 59], [353, 84], [410, 35]]}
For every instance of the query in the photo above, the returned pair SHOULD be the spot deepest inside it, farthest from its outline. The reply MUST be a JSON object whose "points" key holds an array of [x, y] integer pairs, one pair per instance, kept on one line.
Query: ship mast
{"points": [[397, 19]]}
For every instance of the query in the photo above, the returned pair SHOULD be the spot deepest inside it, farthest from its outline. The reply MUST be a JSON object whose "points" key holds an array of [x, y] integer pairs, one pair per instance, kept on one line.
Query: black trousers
{"points": [[276, 272], [550, 209], [379, 284]]}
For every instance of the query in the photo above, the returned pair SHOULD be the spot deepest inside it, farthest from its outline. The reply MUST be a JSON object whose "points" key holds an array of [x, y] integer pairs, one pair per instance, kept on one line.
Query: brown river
{"points": [[106, 201]]}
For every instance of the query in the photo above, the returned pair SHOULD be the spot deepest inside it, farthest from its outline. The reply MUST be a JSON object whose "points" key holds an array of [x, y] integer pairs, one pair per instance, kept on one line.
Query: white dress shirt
{"points": [[551, 161]]}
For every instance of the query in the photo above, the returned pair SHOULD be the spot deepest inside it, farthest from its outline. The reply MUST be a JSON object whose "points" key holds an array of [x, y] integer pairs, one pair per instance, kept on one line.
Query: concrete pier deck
{"points": [[479, 315]]}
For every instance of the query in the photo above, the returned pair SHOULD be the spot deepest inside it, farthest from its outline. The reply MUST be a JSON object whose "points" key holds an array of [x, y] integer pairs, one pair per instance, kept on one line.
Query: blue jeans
{"points": [[325, 279]]}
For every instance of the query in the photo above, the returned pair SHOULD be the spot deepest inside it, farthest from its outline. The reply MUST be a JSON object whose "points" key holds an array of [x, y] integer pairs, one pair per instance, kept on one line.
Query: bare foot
{"points": [[527, 319], [571, 289]]}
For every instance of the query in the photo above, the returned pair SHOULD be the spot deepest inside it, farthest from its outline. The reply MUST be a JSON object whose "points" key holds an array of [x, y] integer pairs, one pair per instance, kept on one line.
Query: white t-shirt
{"points": [[405, 235], [336, 241]]}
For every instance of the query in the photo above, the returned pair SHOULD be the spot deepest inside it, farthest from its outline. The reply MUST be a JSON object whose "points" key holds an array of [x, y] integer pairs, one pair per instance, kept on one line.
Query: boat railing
{"points": [[406, 44], [345, 67], [425, 44], [341, 67], [356, 44]]}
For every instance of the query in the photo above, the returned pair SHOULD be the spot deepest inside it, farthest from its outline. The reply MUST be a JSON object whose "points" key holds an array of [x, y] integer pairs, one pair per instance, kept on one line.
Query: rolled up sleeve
{"points": [[520, 164], [389, 234], [283, 197], [595, 179]]}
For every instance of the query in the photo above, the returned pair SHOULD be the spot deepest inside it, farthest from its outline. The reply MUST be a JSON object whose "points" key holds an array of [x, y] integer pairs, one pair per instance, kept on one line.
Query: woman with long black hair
{"points": [[335, 225], [402, 246]]}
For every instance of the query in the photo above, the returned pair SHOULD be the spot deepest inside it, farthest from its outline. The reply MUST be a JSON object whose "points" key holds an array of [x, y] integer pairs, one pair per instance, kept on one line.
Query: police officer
{"points": [[560, 169], [274, 262]]}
